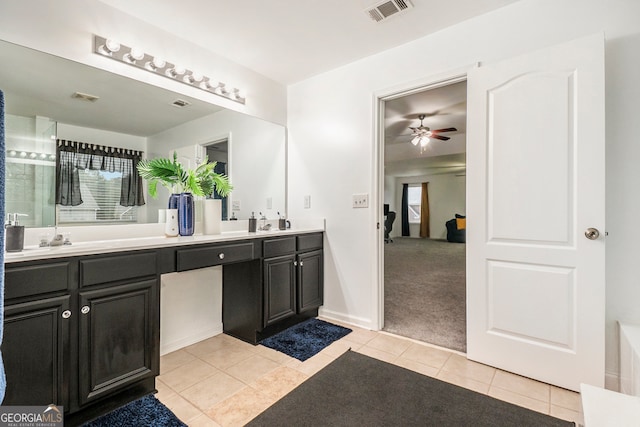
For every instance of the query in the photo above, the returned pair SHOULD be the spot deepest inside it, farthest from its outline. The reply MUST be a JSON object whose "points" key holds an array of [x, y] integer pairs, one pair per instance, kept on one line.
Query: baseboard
{"points": [[169, 347], [612, 381], [341, 317]]}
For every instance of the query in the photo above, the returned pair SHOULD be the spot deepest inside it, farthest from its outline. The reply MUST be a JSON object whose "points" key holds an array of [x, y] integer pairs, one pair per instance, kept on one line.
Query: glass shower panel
{"points": [[30, 169]]}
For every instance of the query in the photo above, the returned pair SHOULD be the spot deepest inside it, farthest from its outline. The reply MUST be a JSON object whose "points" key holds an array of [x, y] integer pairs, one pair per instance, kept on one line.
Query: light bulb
{"points": [[192, 78], [175, 71], [424, 141], [33, 155], [109, 47], [134, 55], [23, 154], [43, 156], [12, 153], [155, 64]]}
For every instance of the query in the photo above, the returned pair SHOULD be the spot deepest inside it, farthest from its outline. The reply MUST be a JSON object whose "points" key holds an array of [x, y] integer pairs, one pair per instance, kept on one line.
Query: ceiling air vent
{"points": [[180, 103], [386, 9], [85, 96]]}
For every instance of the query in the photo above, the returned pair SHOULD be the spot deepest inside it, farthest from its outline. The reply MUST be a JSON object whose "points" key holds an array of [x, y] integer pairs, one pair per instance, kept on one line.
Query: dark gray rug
{"points": [[356, 390], [425, 291]]}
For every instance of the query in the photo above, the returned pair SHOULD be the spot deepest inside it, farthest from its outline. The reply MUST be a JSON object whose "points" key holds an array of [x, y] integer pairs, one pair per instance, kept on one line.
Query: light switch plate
{"points": [[269, 203], [235, 206], [307, 202], [360, 201]]}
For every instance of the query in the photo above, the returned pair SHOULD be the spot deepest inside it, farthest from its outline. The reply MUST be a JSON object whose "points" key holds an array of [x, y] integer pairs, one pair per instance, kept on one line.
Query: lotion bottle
{"points": [[253, 222], [14, 233]]}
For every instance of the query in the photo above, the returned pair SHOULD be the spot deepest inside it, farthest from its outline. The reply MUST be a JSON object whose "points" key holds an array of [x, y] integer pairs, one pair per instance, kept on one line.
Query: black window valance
{"points": [[74, 155]]}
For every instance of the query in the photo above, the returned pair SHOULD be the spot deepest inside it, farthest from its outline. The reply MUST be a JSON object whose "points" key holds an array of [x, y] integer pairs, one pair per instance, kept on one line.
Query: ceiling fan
{"points": [[422, 134]]}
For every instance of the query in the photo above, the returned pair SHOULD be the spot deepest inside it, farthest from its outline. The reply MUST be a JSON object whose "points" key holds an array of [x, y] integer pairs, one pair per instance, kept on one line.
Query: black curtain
{"points": [[405, 210], [72, 156]]}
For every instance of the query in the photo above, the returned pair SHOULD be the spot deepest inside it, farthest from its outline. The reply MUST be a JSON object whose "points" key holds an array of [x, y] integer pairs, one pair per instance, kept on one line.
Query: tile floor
{"points": [[223, 381]]}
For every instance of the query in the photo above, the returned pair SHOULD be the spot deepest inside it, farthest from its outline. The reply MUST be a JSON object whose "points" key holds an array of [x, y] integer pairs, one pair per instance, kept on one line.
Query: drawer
{"points": [[277, 247], [308, 242], [36, 279], [209, 256], [118, 267]]}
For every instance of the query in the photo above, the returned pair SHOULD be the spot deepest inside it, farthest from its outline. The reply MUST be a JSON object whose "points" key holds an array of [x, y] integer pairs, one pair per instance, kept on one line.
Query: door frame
{"points": [[380, 97]]}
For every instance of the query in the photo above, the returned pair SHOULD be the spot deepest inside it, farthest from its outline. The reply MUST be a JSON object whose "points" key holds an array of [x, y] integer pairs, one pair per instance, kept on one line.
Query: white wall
{"points": [[101, 137], [331, 123], [446, 198], [66, 28]]}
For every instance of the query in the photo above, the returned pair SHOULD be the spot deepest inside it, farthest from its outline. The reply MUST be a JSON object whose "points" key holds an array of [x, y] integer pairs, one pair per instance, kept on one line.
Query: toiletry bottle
{"points": [[253, 222], [14, 233], [282, 222]]}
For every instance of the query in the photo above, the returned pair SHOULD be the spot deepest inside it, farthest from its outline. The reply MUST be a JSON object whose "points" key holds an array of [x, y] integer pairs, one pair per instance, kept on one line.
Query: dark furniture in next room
{"points": [[456, 229]]}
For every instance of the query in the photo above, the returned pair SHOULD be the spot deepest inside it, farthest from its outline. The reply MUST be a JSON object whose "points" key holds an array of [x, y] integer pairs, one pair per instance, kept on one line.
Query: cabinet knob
{"points": [[221, 256], [85, 309], [66, 314]]}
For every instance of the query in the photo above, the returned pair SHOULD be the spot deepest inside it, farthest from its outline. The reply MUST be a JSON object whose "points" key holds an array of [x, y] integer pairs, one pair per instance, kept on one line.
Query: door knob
{"points": [[592, 233]]}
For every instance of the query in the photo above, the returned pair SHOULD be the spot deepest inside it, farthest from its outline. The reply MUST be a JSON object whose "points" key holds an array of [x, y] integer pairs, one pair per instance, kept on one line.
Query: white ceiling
{"points": [[444, 107], [291, 40]]}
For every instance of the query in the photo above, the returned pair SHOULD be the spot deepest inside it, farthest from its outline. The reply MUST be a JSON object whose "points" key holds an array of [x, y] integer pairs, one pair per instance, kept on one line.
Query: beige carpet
{"points": [[425, 291]]}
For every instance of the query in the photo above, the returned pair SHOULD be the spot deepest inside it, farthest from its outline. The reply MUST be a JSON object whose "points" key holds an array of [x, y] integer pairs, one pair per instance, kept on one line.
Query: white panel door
{"points": [[535, 282]]}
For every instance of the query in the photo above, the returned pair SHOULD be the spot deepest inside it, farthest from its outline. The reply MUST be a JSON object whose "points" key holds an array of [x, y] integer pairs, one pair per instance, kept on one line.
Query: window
{"points": [[414, 195], [101, 200], [96, 184]]}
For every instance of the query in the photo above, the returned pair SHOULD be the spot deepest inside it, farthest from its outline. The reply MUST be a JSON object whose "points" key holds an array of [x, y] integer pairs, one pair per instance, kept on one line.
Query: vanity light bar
{"points": [[138, 58]]}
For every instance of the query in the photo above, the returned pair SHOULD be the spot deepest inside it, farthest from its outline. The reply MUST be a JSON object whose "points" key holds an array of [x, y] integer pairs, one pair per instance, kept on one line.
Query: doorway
{"points": [[218, 151], [424, 187]]}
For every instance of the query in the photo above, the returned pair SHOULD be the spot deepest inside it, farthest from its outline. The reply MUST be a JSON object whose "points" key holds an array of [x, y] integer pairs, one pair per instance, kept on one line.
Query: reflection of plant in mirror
{"points": [[201, 181]]}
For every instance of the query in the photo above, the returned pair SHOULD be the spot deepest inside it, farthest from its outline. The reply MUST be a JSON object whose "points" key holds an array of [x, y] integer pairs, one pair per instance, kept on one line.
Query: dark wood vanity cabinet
{"points": [[293, 281], [37, 329], [83, 332], [310, 280], [118, 323], [116, 339], [279, 287], [81, 329], [35, 352]]}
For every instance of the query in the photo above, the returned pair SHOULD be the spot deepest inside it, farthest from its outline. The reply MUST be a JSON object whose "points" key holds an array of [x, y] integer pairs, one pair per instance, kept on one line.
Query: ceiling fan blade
{"points": [[444, 130], [443, 138]]}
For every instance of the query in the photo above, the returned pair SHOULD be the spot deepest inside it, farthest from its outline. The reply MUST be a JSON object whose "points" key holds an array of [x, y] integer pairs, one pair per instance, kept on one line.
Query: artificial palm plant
{"points": [[169, 173]]}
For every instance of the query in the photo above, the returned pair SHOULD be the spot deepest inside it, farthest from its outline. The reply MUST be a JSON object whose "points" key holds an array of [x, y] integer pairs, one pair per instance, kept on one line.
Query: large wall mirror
{"points": [[48, 99]]}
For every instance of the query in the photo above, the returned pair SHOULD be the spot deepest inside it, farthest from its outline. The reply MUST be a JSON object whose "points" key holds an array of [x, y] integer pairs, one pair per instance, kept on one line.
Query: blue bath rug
{"points": [[305, 339], [146, 411]]}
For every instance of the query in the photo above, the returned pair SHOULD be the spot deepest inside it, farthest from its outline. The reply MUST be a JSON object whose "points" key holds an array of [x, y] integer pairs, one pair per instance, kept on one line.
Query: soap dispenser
{"points": [[14, 233], [253, 222]]}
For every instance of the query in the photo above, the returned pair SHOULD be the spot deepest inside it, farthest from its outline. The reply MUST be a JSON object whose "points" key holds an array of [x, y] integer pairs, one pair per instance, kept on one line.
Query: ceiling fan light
{"points": [[415, 140], [424, 141]]}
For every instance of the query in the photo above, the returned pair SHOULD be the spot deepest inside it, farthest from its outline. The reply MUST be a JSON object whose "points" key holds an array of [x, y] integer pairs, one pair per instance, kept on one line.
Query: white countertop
{"points": [[89, 247]]}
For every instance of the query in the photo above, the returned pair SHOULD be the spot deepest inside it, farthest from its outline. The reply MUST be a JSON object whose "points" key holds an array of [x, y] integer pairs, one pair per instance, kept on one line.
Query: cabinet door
{"points": [[279, 289], [118, 345], [310, 280], [35, 352]]}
